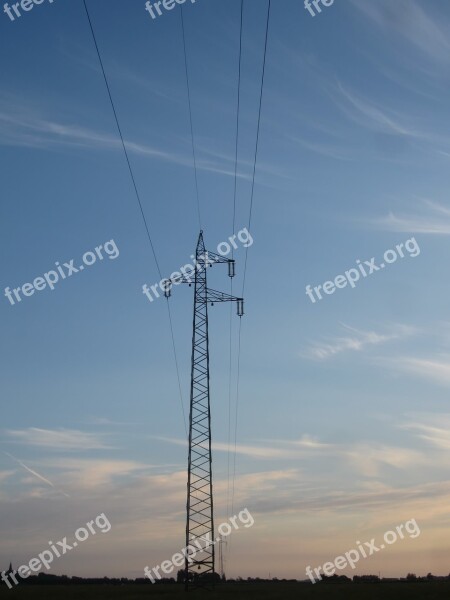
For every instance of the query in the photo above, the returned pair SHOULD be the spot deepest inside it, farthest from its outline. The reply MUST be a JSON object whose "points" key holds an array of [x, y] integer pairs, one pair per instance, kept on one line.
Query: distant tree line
{"points": [[47, 579]]}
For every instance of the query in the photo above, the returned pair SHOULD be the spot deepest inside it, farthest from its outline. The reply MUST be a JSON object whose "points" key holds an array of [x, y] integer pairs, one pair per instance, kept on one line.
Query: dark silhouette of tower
{"points": [[200, 560]]}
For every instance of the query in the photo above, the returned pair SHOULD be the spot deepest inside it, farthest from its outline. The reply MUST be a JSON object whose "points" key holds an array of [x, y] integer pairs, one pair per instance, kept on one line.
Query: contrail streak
{"points": [[35, 474]]}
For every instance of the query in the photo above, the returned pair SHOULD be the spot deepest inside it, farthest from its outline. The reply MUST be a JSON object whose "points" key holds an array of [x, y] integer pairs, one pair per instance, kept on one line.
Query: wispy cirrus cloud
{"points": [[5, 474], [435, 369], [368, 114], [392, 122], [424, 497], [88, 476], [329, 149], [356, 342], [104, 421], [409, 20], [263, 452], [57, 439], [310, 442], [91, 473], [429, 218], [434, 429], [27, 129], [368, 459]]}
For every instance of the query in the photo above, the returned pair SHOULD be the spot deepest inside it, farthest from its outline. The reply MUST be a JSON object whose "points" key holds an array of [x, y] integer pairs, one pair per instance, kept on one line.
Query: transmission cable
{"points": [[194, 158], [138, 197], [246, 250], [122, 139], [232, 252], [257, 139]]}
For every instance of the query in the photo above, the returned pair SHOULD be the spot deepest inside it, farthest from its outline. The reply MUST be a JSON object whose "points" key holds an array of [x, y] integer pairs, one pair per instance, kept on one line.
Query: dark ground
{"points": [[279, 591]]}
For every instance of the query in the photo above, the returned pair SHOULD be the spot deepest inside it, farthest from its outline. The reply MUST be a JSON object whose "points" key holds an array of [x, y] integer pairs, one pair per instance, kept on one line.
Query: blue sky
{"points": [[343, 419]]}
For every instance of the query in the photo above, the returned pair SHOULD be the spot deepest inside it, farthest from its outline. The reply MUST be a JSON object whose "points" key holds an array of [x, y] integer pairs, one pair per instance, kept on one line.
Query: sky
{"points": [[343, 419]]}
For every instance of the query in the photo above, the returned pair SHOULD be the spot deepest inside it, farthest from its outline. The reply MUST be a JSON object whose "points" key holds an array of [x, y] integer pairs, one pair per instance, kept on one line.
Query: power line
{"points": [[232, 251], [246, 252], [237, 120], [257, 138], [138, 197], [176, 366], [236, 414], [122, 139], [190, 118]]}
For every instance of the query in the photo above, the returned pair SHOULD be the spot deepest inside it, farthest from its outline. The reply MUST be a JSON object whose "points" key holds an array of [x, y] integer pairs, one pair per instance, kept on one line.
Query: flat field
{"points": [[279, 591]]}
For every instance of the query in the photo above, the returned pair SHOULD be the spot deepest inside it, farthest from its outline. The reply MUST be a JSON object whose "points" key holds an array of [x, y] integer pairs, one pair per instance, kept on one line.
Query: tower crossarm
{"points": [[212, 258], [215, 296]]}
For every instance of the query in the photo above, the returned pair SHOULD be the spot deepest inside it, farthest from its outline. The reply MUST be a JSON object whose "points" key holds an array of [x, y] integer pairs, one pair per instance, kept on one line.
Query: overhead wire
{"points": [[257, 138], [194, 157], [246, 251], [122, 139], [138, 197], [198, 197], [232, 253]]}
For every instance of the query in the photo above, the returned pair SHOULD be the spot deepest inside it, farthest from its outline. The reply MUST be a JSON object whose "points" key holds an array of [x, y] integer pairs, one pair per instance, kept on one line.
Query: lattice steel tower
{"points": [[200, 569]]}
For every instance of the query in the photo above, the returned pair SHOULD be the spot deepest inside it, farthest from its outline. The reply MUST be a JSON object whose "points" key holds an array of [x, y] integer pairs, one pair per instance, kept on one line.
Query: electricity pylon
{"points": [[200, 561], [221, 569]]}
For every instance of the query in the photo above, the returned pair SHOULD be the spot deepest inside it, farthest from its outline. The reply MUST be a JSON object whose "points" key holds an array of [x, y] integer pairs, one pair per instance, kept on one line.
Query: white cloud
{"points": [[433, 429], [82, 474], [357, 342], [31, 131], [59, 439], [434, 369], [310, 442], [370, 458], [435, 220], [369, 115], [242, 449], [5, 474], [407, 19], [381, 119]]}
